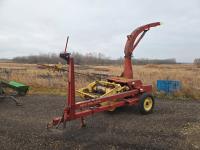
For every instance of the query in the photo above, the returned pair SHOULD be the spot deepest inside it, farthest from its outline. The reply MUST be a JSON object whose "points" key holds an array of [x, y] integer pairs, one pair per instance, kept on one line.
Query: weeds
{"points": [[49, 82]]}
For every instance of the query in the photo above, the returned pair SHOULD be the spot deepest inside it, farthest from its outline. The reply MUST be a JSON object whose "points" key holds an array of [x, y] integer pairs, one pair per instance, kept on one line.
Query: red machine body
{"points": [[131, 44], [74, 110]]}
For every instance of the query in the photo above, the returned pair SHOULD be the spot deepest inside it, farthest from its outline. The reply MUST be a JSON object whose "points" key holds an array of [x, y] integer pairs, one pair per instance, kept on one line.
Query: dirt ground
{"points": [[173, 125]]}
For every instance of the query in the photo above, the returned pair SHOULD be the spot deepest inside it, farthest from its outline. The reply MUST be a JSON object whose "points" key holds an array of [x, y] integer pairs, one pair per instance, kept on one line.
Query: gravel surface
{"points": [[173, 125]]}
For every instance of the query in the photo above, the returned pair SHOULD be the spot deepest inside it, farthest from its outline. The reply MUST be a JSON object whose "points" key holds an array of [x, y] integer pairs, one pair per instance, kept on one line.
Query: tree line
{"points": [[197, 62], [87, 59]]}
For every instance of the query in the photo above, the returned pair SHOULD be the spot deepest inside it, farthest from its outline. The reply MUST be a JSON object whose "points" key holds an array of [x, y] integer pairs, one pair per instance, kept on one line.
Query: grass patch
{"points": [[54, 83]]}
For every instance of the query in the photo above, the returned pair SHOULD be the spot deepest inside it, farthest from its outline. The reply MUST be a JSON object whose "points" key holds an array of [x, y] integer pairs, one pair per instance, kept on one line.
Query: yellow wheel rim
{"points": [[148, 103]]}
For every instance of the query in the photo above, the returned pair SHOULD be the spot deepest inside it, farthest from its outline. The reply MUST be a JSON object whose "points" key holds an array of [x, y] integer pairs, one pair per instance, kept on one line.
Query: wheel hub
{"points": [[148, 103]]}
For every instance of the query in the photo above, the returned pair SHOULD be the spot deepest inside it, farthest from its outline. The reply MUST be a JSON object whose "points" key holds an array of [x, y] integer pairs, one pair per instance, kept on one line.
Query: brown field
{"points": [[44, 81], [174, 124]]}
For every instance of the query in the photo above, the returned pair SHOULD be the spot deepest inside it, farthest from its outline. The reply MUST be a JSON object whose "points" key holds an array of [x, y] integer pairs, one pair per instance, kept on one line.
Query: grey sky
{"points": [[41, 26]]}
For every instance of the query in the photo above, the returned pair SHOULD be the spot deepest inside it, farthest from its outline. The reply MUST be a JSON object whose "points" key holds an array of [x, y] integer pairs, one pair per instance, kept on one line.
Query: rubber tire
{"points": [[141, 103]]}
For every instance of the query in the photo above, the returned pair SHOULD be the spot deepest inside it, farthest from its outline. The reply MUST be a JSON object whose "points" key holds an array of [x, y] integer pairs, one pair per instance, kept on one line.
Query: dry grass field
{"points": [[174, 124], [44, 81]]}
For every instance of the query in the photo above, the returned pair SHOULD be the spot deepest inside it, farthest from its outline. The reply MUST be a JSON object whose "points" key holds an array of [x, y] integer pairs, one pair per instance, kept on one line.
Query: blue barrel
{"points": [[168, 86]]}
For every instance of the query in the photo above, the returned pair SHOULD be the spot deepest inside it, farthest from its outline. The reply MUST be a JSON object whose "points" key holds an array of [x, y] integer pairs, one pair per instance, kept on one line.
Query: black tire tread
{"points": [[141, 103]]}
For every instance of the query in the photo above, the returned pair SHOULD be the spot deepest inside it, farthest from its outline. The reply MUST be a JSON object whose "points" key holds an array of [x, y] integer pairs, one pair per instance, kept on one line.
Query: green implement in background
{"points": [[19, 87]]}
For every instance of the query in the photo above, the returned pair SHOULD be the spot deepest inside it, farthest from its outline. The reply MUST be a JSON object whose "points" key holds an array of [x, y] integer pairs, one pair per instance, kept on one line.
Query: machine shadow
{"points": [[125, 109]]}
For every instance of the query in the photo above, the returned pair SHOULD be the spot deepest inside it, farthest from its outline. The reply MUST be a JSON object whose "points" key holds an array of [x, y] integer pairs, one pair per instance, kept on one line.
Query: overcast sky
{"points": [[41, 26]]}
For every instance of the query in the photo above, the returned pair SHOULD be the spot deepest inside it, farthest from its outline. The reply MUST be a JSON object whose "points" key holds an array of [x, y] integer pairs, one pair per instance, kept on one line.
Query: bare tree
{"points": [[88, 59], [197, 62]]}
